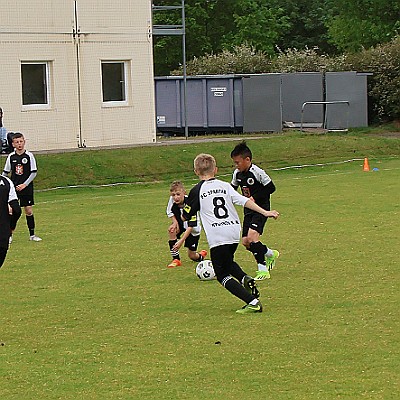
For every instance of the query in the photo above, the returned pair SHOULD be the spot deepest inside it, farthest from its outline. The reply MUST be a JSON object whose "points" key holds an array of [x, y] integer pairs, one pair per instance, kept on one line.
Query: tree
{"points": [[256, 23], [307, 26], [357, 24], [215, 25]]}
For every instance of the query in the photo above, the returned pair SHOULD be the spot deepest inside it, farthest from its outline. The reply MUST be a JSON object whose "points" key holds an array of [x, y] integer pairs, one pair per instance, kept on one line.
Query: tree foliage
{"points": [[274, 26], [357, 24]]}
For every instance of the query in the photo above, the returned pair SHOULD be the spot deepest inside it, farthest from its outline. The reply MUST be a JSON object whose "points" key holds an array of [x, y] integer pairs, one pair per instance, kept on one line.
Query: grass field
{"points": [[91, 312]]}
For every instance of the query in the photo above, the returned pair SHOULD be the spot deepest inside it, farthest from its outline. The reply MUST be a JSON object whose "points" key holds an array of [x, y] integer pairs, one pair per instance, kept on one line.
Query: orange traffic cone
{"points": [[366, 164]]}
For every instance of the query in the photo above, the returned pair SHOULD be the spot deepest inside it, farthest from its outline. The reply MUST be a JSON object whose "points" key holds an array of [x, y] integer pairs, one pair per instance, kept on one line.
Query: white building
{"points": [[77, 73]]}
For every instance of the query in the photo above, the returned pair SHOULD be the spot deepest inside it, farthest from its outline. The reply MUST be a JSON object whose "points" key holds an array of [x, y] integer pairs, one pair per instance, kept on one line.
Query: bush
{"points": [[242, 59]]}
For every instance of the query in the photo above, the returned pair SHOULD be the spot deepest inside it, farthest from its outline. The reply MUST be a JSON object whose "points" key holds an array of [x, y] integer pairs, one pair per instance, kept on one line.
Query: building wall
{"points": [[42, 31]]}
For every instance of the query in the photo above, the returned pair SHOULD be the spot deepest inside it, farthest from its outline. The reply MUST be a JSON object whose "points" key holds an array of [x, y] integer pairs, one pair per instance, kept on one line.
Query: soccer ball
{"points": [[205, 270]]}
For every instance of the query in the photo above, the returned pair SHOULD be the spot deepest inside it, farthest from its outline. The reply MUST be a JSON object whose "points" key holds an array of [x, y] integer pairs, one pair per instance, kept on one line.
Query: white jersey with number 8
{"points": [[215, 200]]}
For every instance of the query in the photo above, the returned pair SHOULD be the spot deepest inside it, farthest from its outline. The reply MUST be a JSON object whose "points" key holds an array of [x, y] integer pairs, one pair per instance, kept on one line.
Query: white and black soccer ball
{"points": [[205, 270]]}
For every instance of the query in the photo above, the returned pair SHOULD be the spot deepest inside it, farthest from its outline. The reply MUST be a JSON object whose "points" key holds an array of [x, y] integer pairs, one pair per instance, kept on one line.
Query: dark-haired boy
{"points": [[255, 184]]}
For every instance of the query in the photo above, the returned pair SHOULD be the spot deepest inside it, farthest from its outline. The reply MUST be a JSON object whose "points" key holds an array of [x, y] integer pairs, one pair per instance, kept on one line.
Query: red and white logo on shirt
{"points": [[19, 170]]}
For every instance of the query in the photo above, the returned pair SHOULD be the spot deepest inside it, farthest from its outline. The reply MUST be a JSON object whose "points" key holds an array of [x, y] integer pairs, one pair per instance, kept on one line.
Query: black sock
{"points": [[30, 221], [174, 254], [237, 289], [258, 249]]}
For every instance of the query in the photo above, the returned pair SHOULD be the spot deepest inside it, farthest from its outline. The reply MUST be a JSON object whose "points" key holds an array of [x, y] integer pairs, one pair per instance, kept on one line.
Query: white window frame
{"points": [[39, 106], [116, 103]]}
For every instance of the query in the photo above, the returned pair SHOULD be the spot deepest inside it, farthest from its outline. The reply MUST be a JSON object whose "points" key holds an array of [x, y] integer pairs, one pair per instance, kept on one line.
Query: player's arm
{"points": [[15, 213], [181, 241], [192, 206], [30, 179], [174, 227], [7, 167], [266, 181], [270, 187], [234, 182], [255, 207], [14, 206]]}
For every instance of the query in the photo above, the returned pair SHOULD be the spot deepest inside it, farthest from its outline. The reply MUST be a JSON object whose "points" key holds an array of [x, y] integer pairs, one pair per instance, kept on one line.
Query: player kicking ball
{"points": [[215, 201]]}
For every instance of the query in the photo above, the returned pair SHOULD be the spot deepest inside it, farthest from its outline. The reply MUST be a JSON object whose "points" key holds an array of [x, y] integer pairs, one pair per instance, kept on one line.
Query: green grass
{"points": [[165, 163], [93, 313]]}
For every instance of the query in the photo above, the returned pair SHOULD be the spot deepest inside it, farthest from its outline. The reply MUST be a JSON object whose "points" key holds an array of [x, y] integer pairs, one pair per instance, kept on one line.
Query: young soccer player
{"points": [[215, 201], [258, 186], [10, 211], [22, 165], [181, 232]]}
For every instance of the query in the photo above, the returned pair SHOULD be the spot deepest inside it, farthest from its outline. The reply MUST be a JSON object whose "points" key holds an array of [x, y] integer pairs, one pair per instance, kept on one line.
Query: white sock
{"points": [[262, 267], [269, 253], [254, 302]]}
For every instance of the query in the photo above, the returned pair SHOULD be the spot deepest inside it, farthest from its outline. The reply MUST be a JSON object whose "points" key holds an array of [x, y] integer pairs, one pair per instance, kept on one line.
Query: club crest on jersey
{"points": [[250, 181], [19, 169], [24, 160]]}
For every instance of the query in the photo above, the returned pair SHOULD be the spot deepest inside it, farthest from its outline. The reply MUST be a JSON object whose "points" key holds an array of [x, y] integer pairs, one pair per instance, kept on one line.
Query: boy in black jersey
{"points": [[215, 201], [22, 165], [10, 211], [258, 186], [181, 232]]}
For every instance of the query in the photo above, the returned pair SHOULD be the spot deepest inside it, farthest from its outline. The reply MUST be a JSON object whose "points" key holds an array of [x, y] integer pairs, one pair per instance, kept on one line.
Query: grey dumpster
{"points": [[213, 103]]}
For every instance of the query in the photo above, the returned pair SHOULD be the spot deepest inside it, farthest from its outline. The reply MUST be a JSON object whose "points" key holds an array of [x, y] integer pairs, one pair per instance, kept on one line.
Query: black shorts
{"points": [[254, 221], [222, 258], [26, 200], [191, 241]]}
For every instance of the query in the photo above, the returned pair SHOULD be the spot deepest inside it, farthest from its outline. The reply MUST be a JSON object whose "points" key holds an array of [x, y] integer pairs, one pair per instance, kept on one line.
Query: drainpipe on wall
{"points": [[76, 36]]}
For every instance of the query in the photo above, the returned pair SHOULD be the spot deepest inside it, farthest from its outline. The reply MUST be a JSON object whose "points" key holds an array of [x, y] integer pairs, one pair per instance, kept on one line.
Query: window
{"points": [[114, 81], [35, 88]]}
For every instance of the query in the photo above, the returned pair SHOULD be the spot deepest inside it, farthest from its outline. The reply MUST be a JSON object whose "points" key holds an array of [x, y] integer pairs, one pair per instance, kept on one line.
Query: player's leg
{"points": [[223, 263], [3, 254], [252, 229], [27, 202], [173, 237], [192, 242], [264, 256]]}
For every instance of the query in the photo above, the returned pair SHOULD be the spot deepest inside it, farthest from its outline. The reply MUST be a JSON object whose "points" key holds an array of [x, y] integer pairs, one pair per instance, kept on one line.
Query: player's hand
{"points": [[10, 211], [274, 214], [177, 245], [20, 187]]}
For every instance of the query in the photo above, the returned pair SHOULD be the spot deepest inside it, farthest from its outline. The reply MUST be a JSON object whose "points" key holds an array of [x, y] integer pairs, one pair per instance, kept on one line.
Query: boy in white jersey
{"points": [[215, 201]]}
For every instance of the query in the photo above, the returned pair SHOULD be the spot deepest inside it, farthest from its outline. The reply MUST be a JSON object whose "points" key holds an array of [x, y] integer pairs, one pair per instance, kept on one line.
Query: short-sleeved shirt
{"points": [[256, 183], [174, 210], [214, 200], [21, 166]]}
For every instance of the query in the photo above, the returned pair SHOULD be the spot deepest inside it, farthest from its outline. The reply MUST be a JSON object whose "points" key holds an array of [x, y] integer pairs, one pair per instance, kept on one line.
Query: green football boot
{"points": [[249, 309], [271, 260]]}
